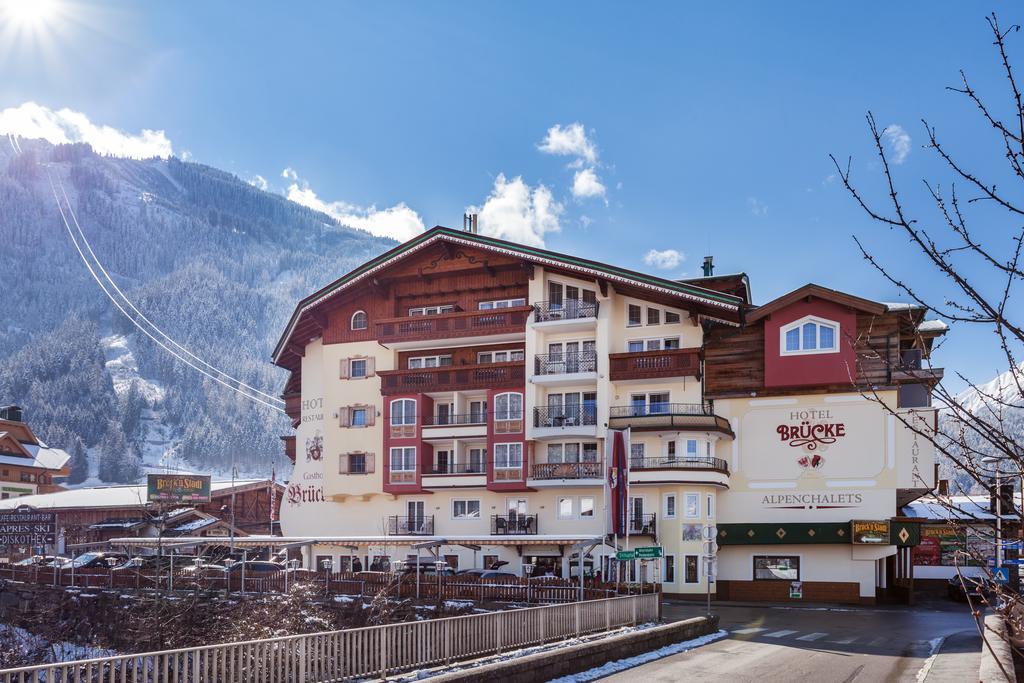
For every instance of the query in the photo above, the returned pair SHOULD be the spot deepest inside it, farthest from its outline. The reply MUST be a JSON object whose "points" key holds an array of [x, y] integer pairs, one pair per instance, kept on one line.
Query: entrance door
{"points": [[556, 413], [416, 517], [443, 460], [476, 459]]}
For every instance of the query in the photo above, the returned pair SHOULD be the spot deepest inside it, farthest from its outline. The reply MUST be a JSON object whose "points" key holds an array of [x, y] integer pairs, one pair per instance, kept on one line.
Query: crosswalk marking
{"points": [[878, 641], [779, 634], [744, 631], [845, 641], [812, 636]]}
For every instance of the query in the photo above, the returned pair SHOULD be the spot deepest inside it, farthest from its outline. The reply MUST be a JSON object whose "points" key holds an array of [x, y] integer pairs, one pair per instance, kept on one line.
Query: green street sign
{"points": [[648, 553], [624, 555]]}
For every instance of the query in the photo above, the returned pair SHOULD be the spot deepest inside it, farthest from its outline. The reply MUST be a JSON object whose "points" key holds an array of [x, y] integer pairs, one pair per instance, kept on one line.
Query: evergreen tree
{"points": [[79, 463]]}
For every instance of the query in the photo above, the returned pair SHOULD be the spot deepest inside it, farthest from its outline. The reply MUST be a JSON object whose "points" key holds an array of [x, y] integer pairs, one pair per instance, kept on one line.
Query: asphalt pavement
{"points": [[933, 642]]}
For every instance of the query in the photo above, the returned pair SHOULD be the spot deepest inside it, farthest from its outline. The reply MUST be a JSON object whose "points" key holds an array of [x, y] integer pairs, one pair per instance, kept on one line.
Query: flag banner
{"points": [[273, 496], [617, 482]]}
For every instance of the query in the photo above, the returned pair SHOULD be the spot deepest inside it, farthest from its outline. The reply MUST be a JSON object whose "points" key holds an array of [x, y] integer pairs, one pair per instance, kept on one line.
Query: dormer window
{"points": [[809, 335]]}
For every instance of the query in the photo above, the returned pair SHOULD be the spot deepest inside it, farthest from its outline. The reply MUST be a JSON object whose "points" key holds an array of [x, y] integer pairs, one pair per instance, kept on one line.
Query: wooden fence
{"points": [[541, 590], [372, 652]]}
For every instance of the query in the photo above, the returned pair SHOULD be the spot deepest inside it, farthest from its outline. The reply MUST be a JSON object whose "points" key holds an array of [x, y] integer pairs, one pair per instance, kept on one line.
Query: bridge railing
{"points": [[370, 652]]}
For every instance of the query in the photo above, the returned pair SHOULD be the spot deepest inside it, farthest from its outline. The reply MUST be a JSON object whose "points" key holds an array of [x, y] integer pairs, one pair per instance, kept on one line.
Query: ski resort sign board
{"points": [[26, 526], [178, 488]]}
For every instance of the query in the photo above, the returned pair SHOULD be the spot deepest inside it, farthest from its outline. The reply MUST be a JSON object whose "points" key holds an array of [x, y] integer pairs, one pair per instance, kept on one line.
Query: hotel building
{"points": [[458, 390]]}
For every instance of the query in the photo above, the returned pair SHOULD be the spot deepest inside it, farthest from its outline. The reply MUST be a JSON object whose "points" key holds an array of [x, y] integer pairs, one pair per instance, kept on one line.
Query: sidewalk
{"points": [[958, 659]]}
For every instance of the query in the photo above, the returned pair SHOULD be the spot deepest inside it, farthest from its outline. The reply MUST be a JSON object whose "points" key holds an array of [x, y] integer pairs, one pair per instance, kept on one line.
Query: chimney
{"points": [[12, 413], [943, 487], [469, 223], [709, 266]]}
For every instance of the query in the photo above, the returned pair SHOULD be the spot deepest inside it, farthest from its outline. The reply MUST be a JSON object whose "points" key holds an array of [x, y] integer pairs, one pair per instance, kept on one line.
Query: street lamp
{"points": [[439, 566], [997, 461], [528, 570]]}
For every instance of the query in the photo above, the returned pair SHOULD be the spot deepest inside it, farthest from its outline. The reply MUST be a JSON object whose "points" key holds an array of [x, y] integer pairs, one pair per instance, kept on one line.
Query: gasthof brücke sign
{"points": [[27, 527], [178, 488]]}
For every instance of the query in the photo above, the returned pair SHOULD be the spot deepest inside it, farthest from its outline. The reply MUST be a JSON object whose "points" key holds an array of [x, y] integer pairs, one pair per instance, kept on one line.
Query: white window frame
{"points": [[593, 507], [636, 324], [675, 505], [508, 355], [365, 410], [699, 571], [798, 325], [508, 413], [423, 361], [507, 447], [572, 507], [710, 505], [432, 310], [351, 365], [664, 568], [677, 314], [687, 498], [501, 303], [352, 321], [466, 502], [402, 449], [647, 315], [405, 417]]}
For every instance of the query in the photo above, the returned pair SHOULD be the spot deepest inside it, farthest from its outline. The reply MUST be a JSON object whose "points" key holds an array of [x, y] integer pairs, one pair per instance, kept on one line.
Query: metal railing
{"points": [[642, 524], [512, 525], [562, 416], [477, 418], [359, 653], [564, 363], [680, 463], [656, 409], [566, 470], [457, 468], [567, 309], [411, 526]]}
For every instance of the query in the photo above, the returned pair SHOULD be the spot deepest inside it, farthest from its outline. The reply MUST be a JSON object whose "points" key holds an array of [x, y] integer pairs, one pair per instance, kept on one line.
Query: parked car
{"points": [[975, 587], [95, 560], [255, 568], [487, 574], [150, 562], [42, 561], [427, 566]]}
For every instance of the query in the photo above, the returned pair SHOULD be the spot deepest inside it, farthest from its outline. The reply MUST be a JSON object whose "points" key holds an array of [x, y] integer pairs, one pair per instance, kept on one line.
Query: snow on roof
{"points": [[43, 457], [132, 495], [901, 306], [195, 525], [933, 326], [954, 508]]}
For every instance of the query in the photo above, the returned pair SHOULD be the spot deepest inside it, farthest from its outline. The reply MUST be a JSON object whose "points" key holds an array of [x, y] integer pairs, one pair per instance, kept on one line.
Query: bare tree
{"points": [[971, 235]]}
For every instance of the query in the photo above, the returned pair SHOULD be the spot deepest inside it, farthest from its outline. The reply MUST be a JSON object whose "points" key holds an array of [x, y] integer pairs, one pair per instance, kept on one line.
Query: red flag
{"points": [[273, 496]]}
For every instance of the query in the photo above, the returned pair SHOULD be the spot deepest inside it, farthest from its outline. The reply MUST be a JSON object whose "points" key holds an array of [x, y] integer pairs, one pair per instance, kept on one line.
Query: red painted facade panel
{"points": [[507, 435], [810, 369]]}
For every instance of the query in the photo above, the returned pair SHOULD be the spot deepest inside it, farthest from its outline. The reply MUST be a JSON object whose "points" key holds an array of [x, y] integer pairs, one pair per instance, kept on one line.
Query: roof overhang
{"points": [[818, 292], [726, 304]]}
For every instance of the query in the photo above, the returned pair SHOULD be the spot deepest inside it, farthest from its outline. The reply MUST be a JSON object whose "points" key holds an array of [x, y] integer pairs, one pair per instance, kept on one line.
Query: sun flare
{"points": [[29, 14]]}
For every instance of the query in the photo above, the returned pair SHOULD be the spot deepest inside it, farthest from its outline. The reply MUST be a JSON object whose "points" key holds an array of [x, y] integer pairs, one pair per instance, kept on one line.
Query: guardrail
{"points": [[567, 309], [561, 416], [370, 652], [564, 363], [679, 463]]}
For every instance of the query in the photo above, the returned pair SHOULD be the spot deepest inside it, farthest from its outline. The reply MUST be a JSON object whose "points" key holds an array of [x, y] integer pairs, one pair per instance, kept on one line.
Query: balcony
{"points": [[506, 324], [477, 418], [411, 526], [686, 463], [509, 375], [564, 421], [570, 315], [645, 365], [555, 369], [513, 525], [448, 468], [642, 525], [446, 427], [560, 471], [676, 416]]}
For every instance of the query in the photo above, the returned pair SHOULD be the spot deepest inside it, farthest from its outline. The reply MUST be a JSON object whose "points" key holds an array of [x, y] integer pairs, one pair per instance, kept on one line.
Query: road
{"points": [[823, 644]]}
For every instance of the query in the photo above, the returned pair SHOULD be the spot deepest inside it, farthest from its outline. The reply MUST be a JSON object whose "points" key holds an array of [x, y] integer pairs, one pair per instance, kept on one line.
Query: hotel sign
{"points": [[25, 526], [178, 488], [869, 532]]}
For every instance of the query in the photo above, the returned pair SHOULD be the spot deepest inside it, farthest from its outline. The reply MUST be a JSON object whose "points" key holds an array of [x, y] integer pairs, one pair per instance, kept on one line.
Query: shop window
{"points": [[359, 320], [776, 568], [809, 335]]}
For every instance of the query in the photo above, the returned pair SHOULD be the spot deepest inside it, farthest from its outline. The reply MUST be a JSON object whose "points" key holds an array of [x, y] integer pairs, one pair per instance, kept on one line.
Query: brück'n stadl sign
{"points": [[27, 527], [178, 488]]}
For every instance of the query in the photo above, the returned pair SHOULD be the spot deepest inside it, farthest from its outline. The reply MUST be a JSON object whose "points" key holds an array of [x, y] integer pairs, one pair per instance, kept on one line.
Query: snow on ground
{"points": [[124, 369], [628, 663]]}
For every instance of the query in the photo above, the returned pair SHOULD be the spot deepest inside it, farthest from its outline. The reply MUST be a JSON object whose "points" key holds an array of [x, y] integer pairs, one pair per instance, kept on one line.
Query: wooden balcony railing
{"points": [[453, 378], [654, 364], [566, 470], [453, 325]]}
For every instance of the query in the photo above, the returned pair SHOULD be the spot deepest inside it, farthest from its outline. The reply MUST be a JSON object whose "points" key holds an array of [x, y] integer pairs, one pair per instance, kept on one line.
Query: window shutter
{"points": [[370, 363], [343, 463], [369, 463], [344, 416], [371, 415], [344, 371]]}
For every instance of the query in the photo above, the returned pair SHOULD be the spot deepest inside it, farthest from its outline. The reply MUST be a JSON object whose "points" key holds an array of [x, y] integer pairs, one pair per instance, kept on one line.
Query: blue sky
{"points": [[708, 127]]}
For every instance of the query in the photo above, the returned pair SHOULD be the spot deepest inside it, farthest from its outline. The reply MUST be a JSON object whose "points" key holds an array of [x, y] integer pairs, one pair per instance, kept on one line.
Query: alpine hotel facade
{"points": [[459, 389]]}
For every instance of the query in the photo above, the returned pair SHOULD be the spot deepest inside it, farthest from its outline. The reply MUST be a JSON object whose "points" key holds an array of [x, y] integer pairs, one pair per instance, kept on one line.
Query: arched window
{"points": [[809, 335], [508, 407], [403, 412], [359, 320]]}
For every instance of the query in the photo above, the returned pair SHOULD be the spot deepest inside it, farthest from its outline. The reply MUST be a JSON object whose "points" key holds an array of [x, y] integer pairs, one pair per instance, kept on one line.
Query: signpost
{"points": [[652, 552], [1001, 575], [625, 556], [796, 589], [26, 526], [870, 532], [178, 488]]}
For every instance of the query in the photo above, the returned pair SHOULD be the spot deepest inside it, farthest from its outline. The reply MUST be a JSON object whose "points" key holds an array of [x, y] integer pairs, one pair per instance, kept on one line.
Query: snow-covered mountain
{"points": [[214, 262], [1004, 390]]}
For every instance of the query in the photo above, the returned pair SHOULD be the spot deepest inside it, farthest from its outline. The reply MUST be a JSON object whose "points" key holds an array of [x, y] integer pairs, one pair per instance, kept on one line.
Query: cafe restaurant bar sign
{"points": [[869, 532], [25, 526], [178, 488]]}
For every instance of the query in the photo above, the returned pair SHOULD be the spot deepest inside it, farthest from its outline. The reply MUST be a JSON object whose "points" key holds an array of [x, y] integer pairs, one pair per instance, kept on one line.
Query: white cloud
{"points": [[756, 206], [587, 184], [397, 222], [666, 259], [31, 120], [899, 142], [569, 141], [260, 182], [517, 212]]}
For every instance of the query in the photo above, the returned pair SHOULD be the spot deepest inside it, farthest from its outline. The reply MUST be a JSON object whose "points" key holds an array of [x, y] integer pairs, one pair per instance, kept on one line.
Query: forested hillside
{"points": [[215, 262]]}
